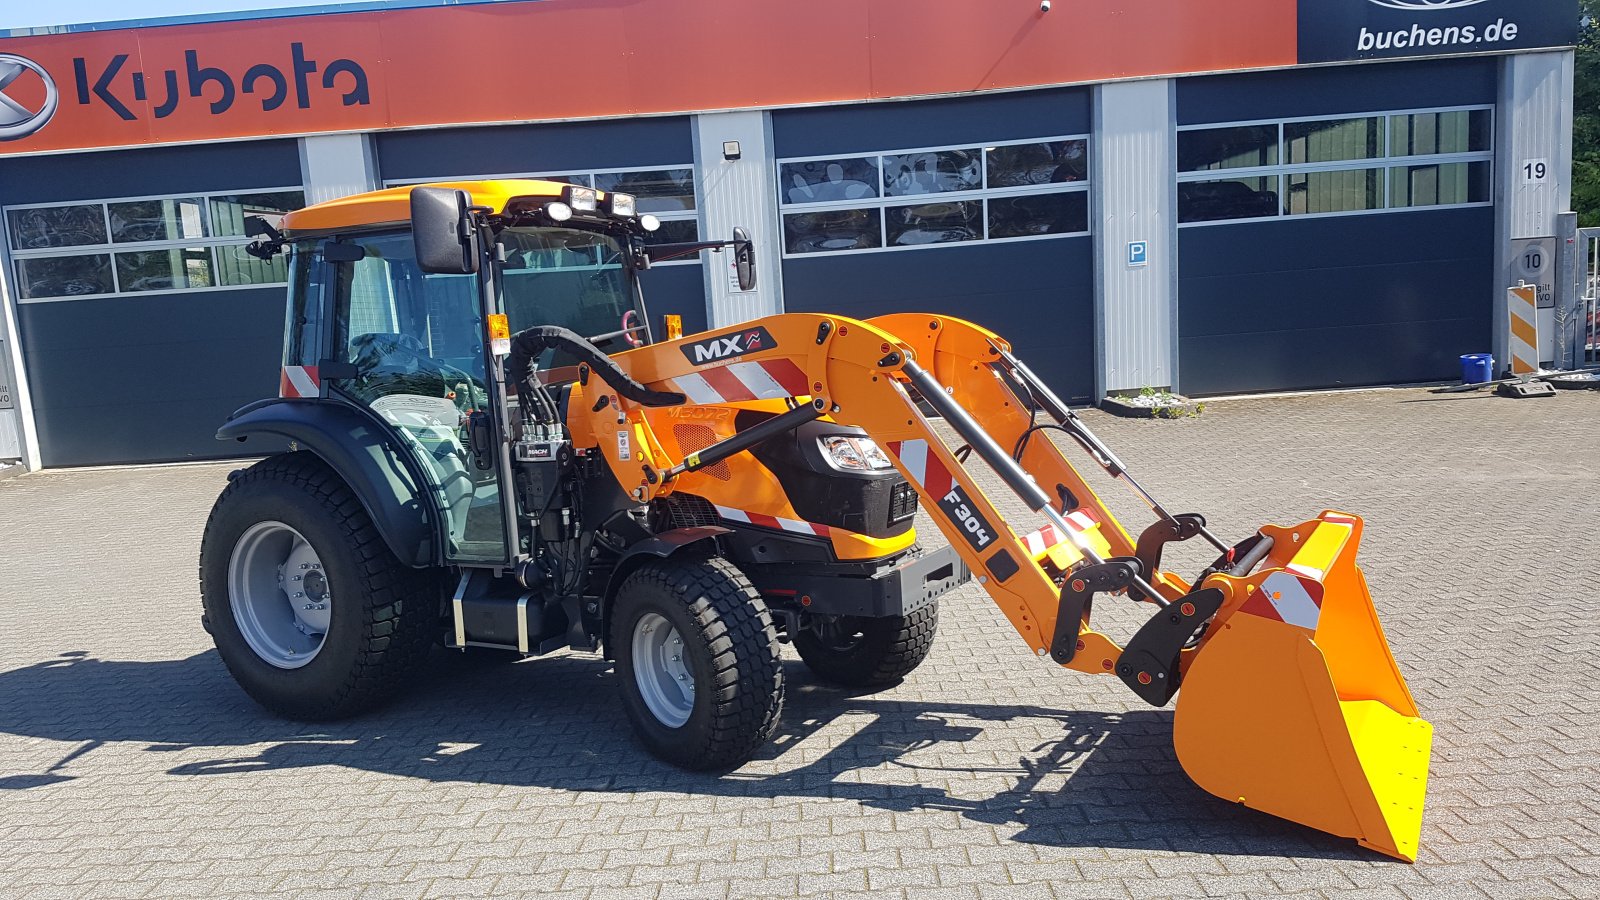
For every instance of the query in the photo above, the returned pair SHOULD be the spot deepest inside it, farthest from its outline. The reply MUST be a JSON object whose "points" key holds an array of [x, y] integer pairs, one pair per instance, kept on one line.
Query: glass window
{"points": [[1228, 198], [236, 268], [228, 212], [1422, 134], [936, 222], [675, 231], [64, 276], [1036, 214], [658, 191], [1330, 192], [165, 270], [828, 180], [910, 174], [1442, 184], [1021, 165], [57, 226], [832, 230], [157, 220], [1236, 147], [1334, 140]]}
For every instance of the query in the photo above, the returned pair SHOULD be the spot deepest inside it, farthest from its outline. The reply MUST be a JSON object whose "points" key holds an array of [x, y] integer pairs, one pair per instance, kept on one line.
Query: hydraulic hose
{"points": [[526, 346]]}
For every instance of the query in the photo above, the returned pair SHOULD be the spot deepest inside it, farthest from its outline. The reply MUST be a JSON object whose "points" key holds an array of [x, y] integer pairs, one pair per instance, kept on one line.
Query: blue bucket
{"points": [[1477, 368]]}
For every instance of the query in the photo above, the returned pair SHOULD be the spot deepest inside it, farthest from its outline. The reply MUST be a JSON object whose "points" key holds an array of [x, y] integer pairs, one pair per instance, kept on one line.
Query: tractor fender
{"points": [[382, 475], [658, 546]]}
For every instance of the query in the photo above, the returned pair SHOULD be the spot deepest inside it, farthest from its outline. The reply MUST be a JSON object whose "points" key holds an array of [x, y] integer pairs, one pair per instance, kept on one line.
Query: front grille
{"points": [[902, 502]]}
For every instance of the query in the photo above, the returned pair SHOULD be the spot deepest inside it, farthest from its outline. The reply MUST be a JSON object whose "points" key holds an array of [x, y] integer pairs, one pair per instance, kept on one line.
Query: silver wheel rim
{"points": [[279, 594], [661, 671]]}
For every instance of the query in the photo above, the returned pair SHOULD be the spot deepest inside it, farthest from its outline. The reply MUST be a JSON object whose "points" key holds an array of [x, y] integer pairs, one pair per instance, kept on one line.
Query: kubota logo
{"points": [[16, 119], [1427, 4]]}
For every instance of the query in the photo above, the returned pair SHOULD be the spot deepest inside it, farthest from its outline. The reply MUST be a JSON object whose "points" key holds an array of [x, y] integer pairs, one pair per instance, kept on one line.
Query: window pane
{"points": [[829, 230], [236, 268], [156, 220], [1464, 131], [1227, 148], [1231, 198], [1326, 192], [935, 223], [64, 276], [1062, 213], [910, 174], [675, 231], [228, 213], [165, 270], [1334, 140], [1440, 185], [57, 226], [823, 180], [1025, 164], [664, 190]]}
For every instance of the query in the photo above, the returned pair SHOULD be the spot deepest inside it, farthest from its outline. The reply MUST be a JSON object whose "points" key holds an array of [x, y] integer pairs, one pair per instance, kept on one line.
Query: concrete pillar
{"points": [[338, 165], [19, 437], [738, 192]]}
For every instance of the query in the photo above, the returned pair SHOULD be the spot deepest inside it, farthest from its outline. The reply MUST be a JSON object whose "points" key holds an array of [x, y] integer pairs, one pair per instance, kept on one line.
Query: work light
{"points": [[621, 205], [581, 199]]}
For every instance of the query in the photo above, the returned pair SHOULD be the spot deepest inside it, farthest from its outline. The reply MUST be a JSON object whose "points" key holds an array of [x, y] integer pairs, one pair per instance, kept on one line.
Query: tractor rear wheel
{"points": [[861, 652], [310, 611], [697, 657]]}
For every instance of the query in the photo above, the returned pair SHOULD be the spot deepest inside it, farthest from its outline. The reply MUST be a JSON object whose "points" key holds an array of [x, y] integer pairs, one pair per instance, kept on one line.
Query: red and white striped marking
{"points": [[770, 379], [925, 467], [763, 520], [299, 382], [1523, 305], [1291, 599], [1047, 537]]}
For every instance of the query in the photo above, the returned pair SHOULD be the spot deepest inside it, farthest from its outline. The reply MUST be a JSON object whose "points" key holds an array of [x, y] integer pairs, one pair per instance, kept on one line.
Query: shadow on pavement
{"points": [[1104, 780]]}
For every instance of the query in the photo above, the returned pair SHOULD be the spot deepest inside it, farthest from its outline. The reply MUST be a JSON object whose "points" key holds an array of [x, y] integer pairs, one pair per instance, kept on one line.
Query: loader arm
{"points": [[1294, 704]]}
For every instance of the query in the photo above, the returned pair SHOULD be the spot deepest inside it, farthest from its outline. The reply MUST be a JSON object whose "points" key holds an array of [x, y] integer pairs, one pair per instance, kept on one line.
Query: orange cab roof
{"points": [[393, 206]]}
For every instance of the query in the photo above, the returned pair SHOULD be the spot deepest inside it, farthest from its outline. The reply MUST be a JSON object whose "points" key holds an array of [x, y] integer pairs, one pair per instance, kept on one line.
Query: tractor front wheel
{"points": [[697, 658], [861, 652]]}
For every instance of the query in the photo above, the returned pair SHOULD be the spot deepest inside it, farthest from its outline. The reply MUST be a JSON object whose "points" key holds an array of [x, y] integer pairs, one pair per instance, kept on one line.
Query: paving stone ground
{"points": [[131, 766]]}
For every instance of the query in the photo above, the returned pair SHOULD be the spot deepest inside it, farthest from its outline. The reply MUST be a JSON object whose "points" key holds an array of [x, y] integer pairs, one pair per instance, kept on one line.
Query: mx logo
{"points": [[16, 120]]}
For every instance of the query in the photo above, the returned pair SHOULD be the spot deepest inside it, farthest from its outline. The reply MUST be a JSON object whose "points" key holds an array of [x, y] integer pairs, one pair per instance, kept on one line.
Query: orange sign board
{"points": [[563, 59]]}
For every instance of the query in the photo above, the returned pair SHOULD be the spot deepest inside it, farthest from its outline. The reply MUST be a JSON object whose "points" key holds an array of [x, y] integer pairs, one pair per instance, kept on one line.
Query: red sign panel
{"points": [[564, 59]]}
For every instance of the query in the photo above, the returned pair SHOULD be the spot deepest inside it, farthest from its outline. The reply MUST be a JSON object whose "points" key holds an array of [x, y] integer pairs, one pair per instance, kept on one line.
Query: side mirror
{"points": [[744, 259], [446, 242]]}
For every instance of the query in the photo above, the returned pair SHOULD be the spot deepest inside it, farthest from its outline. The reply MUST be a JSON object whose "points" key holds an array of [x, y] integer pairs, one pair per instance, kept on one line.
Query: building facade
{"points": [[1212, 196]]}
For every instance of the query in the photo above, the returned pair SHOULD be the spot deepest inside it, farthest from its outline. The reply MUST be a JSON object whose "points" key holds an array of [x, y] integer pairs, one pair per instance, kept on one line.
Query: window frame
{"points": [[882, 202], [1383, 163], [682, 215], [112, 247]]}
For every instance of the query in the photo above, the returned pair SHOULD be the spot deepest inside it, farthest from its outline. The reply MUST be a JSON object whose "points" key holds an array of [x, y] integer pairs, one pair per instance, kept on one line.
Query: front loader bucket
{"points": [[1293, 704]]}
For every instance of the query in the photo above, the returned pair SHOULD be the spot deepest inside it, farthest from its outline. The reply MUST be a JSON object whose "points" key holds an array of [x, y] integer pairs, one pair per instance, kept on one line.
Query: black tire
{"points": [[376, 640], [732, 654], [859, 652]]}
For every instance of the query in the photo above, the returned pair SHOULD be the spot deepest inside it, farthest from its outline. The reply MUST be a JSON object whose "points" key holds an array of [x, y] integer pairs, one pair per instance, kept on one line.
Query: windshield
{"points": [[571, 278]]}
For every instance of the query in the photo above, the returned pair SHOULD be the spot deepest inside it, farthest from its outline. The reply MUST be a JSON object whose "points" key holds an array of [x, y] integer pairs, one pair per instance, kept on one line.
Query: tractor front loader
{"points": [[470, 467]]}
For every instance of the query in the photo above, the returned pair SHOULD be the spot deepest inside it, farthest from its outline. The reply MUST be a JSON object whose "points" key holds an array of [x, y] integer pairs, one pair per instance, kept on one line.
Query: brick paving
{"points": [[131, 766]]}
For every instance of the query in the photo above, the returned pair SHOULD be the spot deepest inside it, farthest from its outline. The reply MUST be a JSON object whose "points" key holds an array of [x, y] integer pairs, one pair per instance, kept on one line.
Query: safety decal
{"points": [[1047, 537], [299, 382], [765, 521], [771, 379], [927, 470], [1287, 598], [624, 447]]}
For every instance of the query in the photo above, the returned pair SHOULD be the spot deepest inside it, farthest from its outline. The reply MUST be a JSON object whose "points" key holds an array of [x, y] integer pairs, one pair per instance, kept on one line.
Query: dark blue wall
{"points": [[864, 128], [1037, 294], [1337, 89], [149, 377], [1388, 298], [676, 290]]}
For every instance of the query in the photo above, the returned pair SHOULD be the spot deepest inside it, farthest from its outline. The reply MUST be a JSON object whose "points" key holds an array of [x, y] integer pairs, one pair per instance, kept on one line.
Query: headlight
{"points": [[581, 199], [621, 205], [649, 222], [853, 454], [558, 211]]}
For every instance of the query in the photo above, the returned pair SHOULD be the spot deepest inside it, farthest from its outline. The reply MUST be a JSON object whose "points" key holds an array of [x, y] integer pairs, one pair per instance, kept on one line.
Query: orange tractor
{"points": [[489, 448]]}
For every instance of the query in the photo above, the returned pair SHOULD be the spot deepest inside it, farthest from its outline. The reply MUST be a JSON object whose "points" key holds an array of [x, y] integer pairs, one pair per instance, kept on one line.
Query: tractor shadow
{"points": [[1093, 780]]}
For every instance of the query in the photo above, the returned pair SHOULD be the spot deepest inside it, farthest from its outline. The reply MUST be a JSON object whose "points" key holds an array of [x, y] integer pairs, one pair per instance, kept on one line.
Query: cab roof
{"points": [[393, 206]]}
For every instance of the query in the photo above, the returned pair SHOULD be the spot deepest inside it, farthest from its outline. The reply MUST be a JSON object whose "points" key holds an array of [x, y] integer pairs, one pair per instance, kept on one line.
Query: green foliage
{"points": [[1586, 121]]}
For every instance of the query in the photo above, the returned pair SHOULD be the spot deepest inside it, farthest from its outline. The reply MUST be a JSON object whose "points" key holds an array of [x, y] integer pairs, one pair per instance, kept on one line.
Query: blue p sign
{"points": [[1138, 254]]}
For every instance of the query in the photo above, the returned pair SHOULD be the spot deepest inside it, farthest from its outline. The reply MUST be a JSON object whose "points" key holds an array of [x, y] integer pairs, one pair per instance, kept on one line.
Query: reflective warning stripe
{"points": [[1042, 540], [1287, 598], [924, 467], [299, 382], [771, 379], [763, 520], [1523, 304]]}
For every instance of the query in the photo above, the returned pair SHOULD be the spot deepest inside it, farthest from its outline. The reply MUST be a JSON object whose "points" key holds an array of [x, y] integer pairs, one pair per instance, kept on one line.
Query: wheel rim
{"points": [[660, 670], [279, 594]]}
